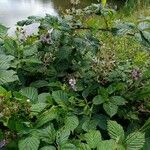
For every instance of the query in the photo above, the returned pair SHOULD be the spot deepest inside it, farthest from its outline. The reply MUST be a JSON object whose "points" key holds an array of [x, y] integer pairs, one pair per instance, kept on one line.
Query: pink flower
{"points": [[136, 74]]}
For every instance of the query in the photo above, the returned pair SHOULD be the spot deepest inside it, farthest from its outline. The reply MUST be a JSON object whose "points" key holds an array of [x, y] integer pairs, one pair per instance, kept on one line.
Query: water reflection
{"points": [[13, 10]]}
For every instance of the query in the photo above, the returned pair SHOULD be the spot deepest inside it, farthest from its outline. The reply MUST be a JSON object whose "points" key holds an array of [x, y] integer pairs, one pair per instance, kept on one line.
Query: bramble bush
{"points": [[79, 84]]}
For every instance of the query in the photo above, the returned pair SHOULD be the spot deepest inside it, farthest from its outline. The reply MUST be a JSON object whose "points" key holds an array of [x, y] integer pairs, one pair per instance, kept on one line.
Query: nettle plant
{"points": [[52, 95], [58, 121]]}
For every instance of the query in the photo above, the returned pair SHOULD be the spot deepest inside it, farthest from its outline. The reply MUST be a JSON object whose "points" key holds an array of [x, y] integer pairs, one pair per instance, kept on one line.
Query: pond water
{"points": [[12, 11]]}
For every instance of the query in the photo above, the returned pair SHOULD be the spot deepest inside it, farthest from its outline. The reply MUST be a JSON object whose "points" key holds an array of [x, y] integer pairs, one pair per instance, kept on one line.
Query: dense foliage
{"points": [[81, 83]]}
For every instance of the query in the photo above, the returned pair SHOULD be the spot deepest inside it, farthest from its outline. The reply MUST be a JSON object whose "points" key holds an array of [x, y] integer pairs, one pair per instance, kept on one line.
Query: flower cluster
{"points": [[72, 83], [136, 74], [46, 38]]}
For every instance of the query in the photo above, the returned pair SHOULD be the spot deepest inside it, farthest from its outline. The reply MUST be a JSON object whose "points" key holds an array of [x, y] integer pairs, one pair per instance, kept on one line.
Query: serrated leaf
{"points": [[10, 46], [62, 136], [44, 97], [48, 148], [5, 61], [135, 141], [60, 97], [7, 76], [110, 108], [3, 92], [71, 122], [98, 100], [101, 121], [84, 146], [46, 117], [144, 38], [93, 137], [147, 144], [118, 100], [37, 108], [64, 52], [31, 93], [115, 131], [47, 134], [107, 145], [29, 143], [124, 28], [89, 125], [3, 30], [68, 146], [146, 126], [30, 50], [144, 26], [39, 84]]}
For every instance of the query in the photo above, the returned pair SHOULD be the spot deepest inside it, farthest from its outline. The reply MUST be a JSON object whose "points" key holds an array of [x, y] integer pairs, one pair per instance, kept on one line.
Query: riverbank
{"points": [[81, 82]]}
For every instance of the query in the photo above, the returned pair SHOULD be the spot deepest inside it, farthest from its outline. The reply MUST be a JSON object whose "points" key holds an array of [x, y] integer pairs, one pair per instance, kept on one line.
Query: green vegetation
{"points": [[81, 83]]}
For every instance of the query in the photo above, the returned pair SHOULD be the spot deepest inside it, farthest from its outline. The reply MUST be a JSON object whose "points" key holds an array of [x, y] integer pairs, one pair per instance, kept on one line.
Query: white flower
{"points": [[72, 83], [50, 31], [28, 100]]}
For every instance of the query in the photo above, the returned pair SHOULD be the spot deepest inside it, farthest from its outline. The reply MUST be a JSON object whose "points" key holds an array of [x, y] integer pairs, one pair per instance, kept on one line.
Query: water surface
{"points": [[12, 11]]}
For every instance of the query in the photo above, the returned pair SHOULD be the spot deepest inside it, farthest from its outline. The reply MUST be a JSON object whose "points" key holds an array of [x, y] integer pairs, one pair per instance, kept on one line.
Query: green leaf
{"points": [[135, 141], [89, 125], [46, 117], [118, 100], [3, 30], [68, 146], [144, 26], [143, 37], [1, 135], [147, 144], [83, 146], [3, 92], [98, 100], [31, 93], [14, 125], [124, 28], [101, 121], [37, 108], [47, 134], [7, 76], [103, 92], [93, 137], [44, 97], [146, 126], [31, 60], [10, 46], [39, 84], [110, 108], [115, 131], [62, 136], [60, 97], [104, 2], [29, 143], [5, 61], [48, 148], [64, 52], [107, 145], [120, 147], [71, 122], [30, 50]]}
